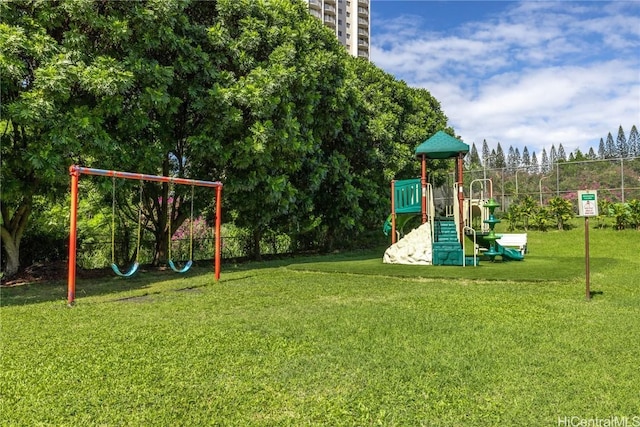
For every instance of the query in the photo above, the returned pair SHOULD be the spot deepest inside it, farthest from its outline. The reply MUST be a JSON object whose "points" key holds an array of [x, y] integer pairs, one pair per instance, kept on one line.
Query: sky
{"points": [[522, 73]]}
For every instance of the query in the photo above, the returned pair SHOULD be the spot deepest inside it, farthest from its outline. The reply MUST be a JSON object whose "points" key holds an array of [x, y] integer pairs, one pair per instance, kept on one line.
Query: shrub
{"points": [[621, 214], [634, 214], [560, 210]]}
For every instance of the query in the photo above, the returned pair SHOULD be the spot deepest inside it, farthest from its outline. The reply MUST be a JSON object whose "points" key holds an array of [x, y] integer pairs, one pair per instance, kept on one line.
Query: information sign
{"points": [[588, 203]]}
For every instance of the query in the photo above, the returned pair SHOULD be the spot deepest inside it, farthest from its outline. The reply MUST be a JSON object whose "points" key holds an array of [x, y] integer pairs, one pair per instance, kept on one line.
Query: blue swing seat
{"points": [[129, 273], [184, 269]]}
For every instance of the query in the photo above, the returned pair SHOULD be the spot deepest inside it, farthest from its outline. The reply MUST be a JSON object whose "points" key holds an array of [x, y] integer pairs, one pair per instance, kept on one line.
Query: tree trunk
{"points": [[160, 252], [161, 236], [11, 233], [257, 236], [13, 254]]}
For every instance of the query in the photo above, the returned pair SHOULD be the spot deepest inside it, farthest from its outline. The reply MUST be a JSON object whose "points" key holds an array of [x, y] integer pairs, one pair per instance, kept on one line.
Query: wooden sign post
{"points": [[587, 207]]}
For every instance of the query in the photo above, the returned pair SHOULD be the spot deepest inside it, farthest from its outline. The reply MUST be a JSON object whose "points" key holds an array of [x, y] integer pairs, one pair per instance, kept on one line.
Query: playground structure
{"points": [[442, 240], [75, 172]]}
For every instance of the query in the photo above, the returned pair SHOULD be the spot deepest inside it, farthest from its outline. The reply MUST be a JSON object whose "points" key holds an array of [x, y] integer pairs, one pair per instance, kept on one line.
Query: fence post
{"points": [[557, 179], [540, 185], [502, 187], [622, 178]]}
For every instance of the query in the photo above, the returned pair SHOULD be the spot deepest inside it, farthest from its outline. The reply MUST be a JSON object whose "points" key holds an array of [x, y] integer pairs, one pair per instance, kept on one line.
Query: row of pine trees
{"points": [[496, 158]]}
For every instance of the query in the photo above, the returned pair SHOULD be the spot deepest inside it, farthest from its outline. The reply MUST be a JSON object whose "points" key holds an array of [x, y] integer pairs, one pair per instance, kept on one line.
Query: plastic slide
{"points": [[401, 221], [509, 253], [386, 228]]}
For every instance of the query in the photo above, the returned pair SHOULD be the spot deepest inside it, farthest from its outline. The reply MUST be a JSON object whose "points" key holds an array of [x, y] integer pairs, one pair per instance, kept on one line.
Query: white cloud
{"points": [[541, 73]]}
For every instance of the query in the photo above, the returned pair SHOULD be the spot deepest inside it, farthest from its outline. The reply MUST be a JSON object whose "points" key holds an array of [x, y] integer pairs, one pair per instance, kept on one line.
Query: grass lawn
{"points": [[341, 340]]}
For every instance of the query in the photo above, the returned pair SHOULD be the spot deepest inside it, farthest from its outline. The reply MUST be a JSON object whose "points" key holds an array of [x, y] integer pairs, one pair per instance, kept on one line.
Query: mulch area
{"points": [[52, 271]]}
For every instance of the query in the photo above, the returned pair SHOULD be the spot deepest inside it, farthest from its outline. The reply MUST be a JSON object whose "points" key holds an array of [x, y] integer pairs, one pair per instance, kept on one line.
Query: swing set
{"points": [[188, 264], [75, 172], [136, 264]]}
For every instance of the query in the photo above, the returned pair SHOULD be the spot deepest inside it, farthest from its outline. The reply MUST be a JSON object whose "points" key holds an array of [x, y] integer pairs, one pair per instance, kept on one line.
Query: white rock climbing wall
{"points": [[414, 248]]}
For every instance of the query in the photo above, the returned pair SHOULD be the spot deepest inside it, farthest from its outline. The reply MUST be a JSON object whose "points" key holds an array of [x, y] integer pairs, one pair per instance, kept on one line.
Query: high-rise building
{"points": [[349, 19]]}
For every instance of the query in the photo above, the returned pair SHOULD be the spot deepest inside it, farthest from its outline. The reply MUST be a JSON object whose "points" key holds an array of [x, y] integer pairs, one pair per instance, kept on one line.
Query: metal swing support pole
{"points": [[75, 172], [73, 238]]}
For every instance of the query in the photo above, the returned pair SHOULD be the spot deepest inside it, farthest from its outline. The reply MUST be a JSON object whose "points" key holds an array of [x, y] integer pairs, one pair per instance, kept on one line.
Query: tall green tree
{"points": [[578, 155], [621, 143], [474, 158], [486, 154], [535, 166], [500, 161], [256, 93], [511, 159], [174, 64], [526, 157], [544, 162], [602, 151], [285, 96], [55, 103], [154, 123], [562, 155], [373, 146], [491, 161], [634, 142], [610, 149], [321, 133]]}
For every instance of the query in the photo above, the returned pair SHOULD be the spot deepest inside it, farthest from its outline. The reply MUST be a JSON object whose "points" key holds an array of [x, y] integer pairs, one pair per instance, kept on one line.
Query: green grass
{"points": [[338, 340]]}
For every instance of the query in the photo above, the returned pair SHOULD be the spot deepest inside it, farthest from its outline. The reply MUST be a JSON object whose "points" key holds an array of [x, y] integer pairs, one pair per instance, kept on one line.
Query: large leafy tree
{"points": [[166, 113], [284, 96], [317, 134], [374, 146], [55, 102], [125, 86], [256, 93]]}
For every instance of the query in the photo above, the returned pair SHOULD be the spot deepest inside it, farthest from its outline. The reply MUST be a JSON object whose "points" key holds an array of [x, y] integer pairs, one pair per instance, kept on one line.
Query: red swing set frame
{"points": [[75, 172]]}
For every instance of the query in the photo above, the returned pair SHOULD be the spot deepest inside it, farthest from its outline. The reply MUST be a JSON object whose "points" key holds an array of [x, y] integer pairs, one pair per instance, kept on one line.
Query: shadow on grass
{"points": [[367, 262], [49, 291], [103, 282], [595, 293]]}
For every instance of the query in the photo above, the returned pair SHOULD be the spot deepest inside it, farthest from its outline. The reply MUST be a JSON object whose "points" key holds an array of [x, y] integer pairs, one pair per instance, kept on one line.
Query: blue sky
{"points": [[530, 73]]}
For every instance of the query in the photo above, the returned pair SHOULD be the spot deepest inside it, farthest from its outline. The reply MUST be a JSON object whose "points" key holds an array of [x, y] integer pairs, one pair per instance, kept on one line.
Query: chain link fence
{"points": [[617, 180]]}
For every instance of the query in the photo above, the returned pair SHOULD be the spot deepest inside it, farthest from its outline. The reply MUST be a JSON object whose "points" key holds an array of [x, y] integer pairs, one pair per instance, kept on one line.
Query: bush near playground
{"points": [[526, 213]]}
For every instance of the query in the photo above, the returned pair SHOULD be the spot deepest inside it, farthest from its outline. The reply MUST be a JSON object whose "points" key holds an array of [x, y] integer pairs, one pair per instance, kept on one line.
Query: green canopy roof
{"points": [[441, 146]]}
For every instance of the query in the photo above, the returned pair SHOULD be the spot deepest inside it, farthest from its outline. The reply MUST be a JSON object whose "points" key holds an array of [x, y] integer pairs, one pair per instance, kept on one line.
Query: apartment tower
{"points": [[348, 19]]}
